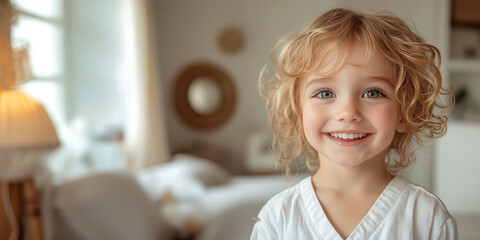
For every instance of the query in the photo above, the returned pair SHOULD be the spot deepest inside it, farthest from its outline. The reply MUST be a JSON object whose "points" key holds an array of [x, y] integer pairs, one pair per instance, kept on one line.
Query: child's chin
{"points": [[350, 161], [350, 164], [345, 160]]}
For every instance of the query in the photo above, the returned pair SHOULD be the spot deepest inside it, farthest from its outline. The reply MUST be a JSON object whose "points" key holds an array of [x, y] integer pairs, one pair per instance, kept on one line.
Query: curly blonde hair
{"points": [[416, 79]]}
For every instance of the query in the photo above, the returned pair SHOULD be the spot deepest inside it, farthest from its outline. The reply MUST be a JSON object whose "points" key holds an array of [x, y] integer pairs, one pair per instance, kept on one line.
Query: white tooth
{"points": [[344, 135], [335, 135], [351, 136], [356, 135]]}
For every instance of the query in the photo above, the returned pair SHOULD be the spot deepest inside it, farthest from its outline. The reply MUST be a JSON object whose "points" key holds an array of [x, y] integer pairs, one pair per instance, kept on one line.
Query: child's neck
{"points": [[351, 180]]}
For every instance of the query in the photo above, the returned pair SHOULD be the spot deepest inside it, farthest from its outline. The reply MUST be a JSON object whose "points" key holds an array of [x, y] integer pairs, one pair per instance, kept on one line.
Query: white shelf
{"points": [[456, 164], [464, 65]]}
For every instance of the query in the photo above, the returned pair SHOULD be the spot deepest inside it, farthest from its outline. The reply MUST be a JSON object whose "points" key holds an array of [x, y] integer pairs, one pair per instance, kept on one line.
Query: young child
{"points": [[351, 92]]}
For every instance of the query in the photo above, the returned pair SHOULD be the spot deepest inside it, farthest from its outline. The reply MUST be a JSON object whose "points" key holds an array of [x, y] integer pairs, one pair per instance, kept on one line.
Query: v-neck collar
{"points": [[367, 225]]}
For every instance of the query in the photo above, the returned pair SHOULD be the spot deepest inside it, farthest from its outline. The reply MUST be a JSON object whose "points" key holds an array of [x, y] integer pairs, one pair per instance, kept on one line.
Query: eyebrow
{"points": [[383, 79], [321, 79]]}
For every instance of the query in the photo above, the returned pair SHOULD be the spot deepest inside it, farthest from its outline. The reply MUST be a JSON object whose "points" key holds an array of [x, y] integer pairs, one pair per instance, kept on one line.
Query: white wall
{"points": [[187, 32]]}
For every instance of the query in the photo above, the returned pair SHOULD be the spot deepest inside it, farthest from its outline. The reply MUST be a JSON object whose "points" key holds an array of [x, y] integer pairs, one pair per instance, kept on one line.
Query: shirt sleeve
{"points": [[448, 231]]}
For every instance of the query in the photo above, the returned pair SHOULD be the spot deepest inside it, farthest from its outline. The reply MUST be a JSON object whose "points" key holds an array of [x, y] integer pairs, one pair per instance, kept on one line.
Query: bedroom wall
{"points": [[187, 30]]}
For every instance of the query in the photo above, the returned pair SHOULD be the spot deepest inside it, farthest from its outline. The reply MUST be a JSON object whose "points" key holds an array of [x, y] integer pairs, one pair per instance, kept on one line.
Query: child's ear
{"points": [[401, 126]]}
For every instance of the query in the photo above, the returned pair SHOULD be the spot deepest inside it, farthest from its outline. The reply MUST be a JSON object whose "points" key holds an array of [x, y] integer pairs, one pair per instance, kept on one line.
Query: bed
{"points": [[186, 198]]}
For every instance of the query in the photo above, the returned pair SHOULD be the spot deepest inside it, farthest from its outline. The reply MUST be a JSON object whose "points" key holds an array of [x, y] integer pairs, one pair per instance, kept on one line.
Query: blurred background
{"points": [[159, 100]]}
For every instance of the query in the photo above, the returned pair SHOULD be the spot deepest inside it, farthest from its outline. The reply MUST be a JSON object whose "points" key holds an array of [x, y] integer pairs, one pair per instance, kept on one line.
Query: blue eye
{"points": [[325, 94], [373, 94]]}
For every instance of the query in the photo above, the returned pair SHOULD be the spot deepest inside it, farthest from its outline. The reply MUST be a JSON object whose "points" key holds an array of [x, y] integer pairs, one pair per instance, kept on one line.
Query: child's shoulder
{"points": [[286, 199], [418, 197], [416, 191]]}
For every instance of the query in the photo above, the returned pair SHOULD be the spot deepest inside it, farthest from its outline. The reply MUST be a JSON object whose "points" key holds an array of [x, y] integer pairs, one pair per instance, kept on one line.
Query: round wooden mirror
{"points": [[204, 96]]}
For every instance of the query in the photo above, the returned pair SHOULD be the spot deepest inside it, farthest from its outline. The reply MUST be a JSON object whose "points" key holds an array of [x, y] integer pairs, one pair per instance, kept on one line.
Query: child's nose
{"points": [[348, 112]]}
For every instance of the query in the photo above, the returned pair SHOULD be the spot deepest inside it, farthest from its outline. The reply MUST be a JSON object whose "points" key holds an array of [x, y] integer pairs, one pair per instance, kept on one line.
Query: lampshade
{"points": [[24, 122]]}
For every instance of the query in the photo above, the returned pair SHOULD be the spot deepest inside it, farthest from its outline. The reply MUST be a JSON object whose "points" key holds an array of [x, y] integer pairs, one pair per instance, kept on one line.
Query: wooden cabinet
{"points": [[25, 203]]}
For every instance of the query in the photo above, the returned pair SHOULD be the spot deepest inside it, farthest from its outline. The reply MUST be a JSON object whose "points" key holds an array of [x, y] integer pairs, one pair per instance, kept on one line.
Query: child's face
{"points": [[351, 117]]}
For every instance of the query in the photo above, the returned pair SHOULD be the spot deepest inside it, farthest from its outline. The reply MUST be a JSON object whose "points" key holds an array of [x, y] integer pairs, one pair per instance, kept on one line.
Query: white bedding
{"points": [[118, 205], [207, 195], [229, 209], [242, 189]]}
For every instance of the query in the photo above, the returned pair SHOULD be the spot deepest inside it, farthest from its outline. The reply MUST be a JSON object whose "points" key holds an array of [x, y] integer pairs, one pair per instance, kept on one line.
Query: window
{"points": [[80, 55], [39, 23]]}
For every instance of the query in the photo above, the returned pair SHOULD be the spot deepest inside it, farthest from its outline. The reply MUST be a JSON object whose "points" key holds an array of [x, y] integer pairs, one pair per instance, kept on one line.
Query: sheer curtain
{"points": [[145, 128]]}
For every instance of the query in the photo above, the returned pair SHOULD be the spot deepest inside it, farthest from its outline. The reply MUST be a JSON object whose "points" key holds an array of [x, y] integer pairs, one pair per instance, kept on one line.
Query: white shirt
{"points": [[403, 211]]}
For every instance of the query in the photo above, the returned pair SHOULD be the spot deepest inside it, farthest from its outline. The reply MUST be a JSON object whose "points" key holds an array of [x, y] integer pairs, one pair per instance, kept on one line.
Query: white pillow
{"points": [[203, 170], [186, 176]]}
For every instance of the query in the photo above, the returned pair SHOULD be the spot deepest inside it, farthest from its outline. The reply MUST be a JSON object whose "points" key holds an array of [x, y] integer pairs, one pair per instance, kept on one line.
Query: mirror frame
{"points": [[182, 104]]}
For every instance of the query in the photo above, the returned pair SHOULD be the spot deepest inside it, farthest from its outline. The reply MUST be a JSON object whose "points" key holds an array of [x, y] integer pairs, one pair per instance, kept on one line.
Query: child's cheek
{"points": [[385, 118], [313, 119]]}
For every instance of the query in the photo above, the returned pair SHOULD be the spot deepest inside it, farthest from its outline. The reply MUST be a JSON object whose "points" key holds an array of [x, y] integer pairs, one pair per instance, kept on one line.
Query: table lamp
{"points": [[26, 132]]}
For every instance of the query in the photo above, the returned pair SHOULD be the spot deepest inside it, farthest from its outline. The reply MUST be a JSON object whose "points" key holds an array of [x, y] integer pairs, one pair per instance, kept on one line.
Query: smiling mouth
{"points": [[348, 136], [348, 139]]}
